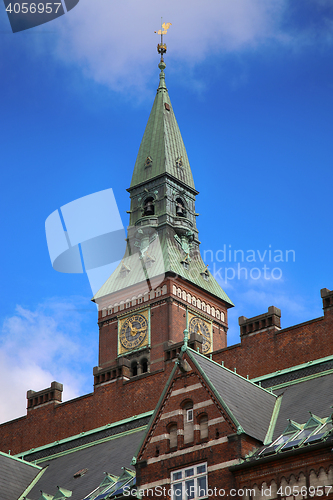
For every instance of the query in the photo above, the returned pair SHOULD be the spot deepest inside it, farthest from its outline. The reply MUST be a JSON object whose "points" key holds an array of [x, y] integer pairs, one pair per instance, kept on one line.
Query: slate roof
{"points": [[315, 395], [250, 405], [16, 477], [163, 143], [296, 372], [109, 456]]}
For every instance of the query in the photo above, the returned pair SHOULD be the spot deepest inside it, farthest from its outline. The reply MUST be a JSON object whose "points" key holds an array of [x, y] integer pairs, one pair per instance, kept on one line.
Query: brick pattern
{"points": [[221, 448], [270, 350], [311, 471]]}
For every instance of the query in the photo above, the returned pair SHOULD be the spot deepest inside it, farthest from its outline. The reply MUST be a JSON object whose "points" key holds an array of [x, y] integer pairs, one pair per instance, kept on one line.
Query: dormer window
{"points": [[186, 265], [179, 162], [180, 208], [148, 207], [124, 270], [205, 274], [148, 162]]}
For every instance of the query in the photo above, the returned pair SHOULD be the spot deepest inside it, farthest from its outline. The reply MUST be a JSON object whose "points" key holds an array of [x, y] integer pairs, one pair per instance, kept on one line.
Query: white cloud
{"points": [[37, 347], [114, 42]]}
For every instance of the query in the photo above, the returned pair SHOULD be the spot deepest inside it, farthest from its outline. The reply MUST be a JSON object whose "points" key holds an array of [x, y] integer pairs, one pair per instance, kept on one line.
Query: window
{"points": [[134, 368], [189, 415], [180, 208], [189, 483], [148, 207], [144, 365]]}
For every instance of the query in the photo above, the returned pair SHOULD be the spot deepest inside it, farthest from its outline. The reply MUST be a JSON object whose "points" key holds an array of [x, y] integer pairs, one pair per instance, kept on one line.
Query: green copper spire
{"points": [[162, 237], [162, 149]]}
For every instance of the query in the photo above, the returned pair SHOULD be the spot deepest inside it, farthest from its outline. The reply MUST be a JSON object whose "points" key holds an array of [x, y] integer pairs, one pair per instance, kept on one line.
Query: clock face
{"points": [[198, 325], [133, 332]]}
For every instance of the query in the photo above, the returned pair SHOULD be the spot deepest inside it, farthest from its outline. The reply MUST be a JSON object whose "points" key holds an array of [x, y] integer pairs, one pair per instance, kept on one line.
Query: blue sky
{"points": [[251, 83]]}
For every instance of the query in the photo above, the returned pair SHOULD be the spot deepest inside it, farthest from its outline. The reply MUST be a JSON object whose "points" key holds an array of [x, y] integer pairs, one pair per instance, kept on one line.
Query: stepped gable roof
{"points": [[17, 477], [248, 404], [88, 463], [299, 398]]}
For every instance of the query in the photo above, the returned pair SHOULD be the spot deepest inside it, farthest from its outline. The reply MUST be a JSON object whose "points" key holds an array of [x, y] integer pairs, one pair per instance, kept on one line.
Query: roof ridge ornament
{"points": [[161, 47], [185, 345]]}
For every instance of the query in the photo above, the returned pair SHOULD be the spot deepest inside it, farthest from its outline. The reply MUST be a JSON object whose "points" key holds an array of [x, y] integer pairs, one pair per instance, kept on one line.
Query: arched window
{"points": [[188, 422], [144, 365], [203, 425], [173, 435], [134, 368], [148, 207], [180, 208]]}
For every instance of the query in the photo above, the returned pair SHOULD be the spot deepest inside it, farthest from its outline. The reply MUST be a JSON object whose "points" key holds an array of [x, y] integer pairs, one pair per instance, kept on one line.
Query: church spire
{"points": [[162, 237], [162, 150]]}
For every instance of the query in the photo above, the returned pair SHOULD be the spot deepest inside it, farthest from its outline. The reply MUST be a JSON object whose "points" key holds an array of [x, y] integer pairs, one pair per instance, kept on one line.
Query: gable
{"points": [[210, 425]]}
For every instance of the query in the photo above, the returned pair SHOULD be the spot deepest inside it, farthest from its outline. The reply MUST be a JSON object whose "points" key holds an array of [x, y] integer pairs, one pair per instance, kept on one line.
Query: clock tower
{"points": [[162, 285]]}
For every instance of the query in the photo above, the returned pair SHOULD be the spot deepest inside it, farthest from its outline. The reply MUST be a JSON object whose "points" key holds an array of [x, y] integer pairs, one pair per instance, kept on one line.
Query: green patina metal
{"points": [[165, 238], [168, 256], [184, 346], [269, 435], [162, 144]]}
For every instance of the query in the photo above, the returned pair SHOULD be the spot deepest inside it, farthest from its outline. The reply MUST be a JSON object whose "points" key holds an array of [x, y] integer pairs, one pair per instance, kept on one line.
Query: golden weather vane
{"points": [[161, 47]]}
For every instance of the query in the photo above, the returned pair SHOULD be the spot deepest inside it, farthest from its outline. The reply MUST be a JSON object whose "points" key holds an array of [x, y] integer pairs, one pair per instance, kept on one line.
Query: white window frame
{"points": [[189, 415], [181, 478]]}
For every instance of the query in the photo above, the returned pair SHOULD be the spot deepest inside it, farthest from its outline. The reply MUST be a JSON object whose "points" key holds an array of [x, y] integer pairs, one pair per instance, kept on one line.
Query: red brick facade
{"points": [[118, 396], [219, 449]]}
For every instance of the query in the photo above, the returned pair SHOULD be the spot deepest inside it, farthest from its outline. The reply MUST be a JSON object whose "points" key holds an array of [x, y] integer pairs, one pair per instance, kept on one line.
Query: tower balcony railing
{"points": [[147, 221], [182, 222]]}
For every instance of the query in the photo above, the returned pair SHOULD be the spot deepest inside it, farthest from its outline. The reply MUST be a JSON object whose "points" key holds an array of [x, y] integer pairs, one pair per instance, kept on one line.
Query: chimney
{"points": [[52, 394], [264, 322], [327, 296]]}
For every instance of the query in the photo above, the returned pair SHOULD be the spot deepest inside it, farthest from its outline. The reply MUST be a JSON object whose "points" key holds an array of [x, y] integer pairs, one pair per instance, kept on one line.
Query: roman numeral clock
{"points": [[197, 324], [133, 331]]}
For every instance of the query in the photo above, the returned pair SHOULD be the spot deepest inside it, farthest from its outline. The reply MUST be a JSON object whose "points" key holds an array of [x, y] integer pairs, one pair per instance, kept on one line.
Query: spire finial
{"points": [[184, 346], [161, 47]]}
